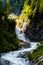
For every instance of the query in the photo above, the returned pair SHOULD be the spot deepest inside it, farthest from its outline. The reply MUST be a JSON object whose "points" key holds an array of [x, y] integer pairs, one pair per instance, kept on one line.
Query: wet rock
{"points": [[24, 44], [4, 62], [34, 32]]}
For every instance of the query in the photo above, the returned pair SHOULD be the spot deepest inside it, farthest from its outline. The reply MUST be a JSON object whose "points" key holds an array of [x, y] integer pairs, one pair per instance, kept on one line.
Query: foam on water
{"points": [[13, 56]]}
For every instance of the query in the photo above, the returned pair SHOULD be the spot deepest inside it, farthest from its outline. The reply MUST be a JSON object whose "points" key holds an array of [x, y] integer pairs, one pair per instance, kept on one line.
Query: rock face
{"points": [[24, 44], [35, 31]]}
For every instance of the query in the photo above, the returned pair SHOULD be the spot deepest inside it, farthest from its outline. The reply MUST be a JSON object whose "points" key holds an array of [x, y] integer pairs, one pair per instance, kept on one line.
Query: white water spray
{"points": [[13, 56]]}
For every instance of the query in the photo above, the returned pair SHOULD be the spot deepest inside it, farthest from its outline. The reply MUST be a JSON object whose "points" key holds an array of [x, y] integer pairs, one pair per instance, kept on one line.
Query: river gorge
{"points": [[21, 32], [16, 57]]}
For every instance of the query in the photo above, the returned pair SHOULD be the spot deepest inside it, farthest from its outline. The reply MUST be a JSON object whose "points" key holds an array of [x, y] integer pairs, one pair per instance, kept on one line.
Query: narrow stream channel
{"points": [[14, 57]]}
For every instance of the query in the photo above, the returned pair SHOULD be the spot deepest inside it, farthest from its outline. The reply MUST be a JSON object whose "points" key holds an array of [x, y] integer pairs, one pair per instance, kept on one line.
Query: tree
{"points": [[8, 39]]}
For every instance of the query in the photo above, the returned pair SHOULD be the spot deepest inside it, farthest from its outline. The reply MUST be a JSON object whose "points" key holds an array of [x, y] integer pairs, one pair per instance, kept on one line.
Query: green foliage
{"points": [[17, 5], [5, 8], [31, 11], [36, 53], [27, 10], [41, 63], [8, 39], [35, 6], [41, 6]]}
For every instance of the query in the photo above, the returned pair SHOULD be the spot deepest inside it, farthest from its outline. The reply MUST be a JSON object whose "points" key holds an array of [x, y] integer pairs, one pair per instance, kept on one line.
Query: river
{"points": [[14, 57]]}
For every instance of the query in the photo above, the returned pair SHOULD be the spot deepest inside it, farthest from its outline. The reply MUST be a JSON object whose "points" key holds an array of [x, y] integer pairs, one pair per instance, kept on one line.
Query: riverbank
{"points": [[17, 57], [36, 55]]}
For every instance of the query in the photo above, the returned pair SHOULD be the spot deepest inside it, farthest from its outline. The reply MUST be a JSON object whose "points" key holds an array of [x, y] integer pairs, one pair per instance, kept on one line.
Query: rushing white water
{"points": [[21, 36], [14, 56]]}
